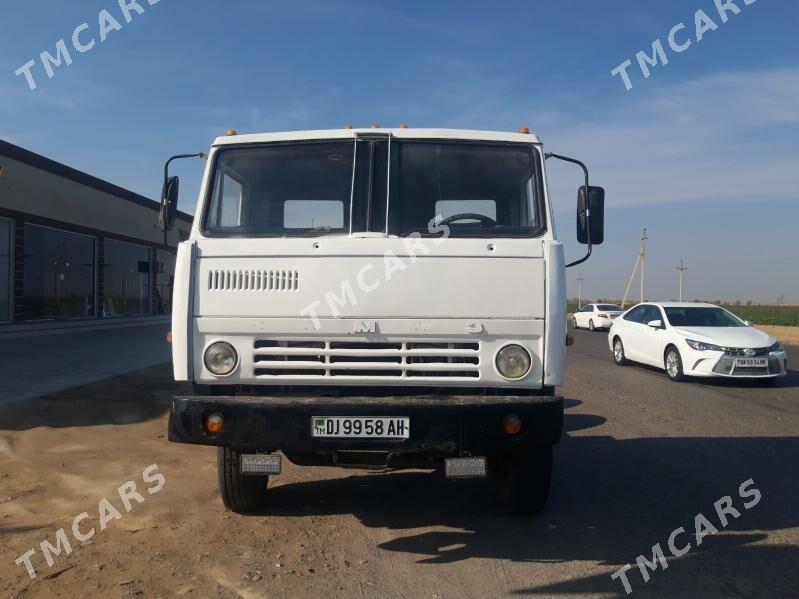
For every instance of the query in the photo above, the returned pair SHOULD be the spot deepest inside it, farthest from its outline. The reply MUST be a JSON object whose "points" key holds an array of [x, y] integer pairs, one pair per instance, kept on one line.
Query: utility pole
{"points": [[579, 291], [639, 262], [682, 268], [643, 262]]}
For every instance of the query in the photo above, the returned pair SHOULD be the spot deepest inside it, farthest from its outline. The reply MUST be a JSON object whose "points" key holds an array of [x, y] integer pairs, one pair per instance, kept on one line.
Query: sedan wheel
{"points": [[618, 352], [591, 325], [674, 365], [574, 323]]}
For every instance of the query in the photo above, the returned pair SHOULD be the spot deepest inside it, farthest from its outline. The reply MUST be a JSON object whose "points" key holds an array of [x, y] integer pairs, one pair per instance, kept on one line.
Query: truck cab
{"points": [[376, 298]]}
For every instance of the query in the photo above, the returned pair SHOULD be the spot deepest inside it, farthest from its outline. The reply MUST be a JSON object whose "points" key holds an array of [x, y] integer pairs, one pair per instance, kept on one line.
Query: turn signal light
{"points": [[214, 424], [169, 337], [232, 132], [375, 126], [348, 126], [403, 126], [524, 130], [512, 424]]}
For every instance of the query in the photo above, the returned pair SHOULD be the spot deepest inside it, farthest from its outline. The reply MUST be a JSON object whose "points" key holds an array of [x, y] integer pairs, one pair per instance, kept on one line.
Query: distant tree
{"points": [[748, 302]]}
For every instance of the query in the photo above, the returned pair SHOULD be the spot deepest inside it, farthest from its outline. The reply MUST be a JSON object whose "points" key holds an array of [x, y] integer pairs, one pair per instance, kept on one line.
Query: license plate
{"points": [[751, 362], [360, 427]]}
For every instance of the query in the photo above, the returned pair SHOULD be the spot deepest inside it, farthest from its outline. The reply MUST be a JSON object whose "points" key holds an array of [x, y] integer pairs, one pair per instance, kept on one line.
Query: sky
{"points": [[703, 153]]}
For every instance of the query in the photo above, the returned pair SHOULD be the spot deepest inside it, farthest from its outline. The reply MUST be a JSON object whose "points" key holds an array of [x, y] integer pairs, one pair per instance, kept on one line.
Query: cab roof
{"points": [[400, 133]]}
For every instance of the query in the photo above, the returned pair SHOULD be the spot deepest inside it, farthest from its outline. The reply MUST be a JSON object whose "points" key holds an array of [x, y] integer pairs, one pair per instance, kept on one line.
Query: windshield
{"points": [[321, 188], [702, 317], [608, 308]]}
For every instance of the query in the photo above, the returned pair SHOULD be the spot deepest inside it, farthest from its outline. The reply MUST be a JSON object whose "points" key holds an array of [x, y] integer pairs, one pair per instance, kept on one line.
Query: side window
{"points": [[588, 308], [227, 203], [636, 314], [657, 314]]}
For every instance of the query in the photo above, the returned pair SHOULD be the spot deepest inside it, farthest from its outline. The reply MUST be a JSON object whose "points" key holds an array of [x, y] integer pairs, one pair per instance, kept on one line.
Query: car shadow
{"points": [[611, 501]]}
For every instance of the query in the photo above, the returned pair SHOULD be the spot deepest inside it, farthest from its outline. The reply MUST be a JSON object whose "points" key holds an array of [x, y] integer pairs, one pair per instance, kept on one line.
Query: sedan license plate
{"points": [[751, 362], [360, 427]]}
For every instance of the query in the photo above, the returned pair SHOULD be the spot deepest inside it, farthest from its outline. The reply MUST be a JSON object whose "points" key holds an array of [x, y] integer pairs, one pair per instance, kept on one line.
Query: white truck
{"points": [[375, 298]]}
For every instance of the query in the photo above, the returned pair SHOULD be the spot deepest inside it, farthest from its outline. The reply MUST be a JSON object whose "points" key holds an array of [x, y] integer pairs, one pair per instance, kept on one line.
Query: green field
{"points": [[774, 315]]}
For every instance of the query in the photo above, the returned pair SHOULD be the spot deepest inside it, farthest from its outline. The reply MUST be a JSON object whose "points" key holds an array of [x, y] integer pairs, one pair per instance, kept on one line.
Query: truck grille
{"points": [[253, 280], [274, 358]]}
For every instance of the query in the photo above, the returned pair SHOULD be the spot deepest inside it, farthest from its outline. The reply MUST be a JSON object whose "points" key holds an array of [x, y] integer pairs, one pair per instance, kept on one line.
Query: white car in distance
{"points": [[595, 316], [697, 340]]}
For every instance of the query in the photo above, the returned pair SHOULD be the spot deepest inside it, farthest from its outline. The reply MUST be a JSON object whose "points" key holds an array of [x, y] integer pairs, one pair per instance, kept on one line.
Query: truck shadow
{"points": [[611, 501], [124, 399]]}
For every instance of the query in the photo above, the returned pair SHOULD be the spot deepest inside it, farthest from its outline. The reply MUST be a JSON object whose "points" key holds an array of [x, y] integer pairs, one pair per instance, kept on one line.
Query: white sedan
{"points": [[694, 339], [595, 316]]}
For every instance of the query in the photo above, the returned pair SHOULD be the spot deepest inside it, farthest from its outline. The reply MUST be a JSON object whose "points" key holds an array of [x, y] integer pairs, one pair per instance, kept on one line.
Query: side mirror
{"points": [[169, 204], [593, 204], [748, 323], [655, 324]]}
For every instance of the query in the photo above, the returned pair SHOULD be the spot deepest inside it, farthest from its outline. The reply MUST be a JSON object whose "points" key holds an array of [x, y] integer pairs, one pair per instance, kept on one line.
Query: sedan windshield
{"points": [[608, 308], [396, 187], [702, 317]]}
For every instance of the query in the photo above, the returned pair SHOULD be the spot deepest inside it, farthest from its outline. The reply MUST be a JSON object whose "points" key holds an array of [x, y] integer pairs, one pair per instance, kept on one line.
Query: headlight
{"points": [[702, 346], [220, 358], [513, 361], [777, 348]]}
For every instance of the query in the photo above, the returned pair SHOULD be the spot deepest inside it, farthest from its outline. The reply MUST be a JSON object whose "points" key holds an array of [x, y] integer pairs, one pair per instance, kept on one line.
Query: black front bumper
{"points": [[439, 426]]}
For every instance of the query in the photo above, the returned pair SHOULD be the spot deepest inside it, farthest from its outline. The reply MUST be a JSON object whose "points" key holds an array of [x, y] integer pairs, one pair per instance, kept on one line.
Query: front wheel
{"points": [[523, 480], [574, 323], [240, 493], [673, 364], [618, 352], [591, 325]]}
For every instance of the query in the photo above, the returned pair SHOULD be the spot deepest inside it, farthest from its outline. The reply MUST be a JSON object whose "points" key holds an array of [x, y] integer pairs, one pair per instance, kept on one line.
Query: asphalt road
{"points": [[641, 456]]}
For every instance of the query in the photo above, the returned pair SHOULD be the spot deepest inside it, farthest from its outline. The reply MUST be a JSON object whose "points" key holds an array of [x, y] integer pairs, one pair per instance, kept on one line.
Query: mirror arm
{"points": [[588, 220], [202, 155]]}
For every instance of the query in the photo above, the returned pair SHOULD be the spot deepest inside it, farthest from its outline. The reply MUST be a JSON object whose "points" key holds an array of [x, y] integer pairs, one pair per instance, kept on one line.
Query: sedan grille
{"points": [[275, 358], [726, 366]]}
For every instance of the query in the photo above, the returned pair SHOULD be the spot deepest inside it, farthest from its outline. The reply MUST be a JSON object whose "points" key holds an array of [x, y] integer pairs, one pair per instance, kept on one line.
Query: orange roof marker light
{"points": [[232, 132], [375, 126], [524, 130], [403, 126], [348, 126]]}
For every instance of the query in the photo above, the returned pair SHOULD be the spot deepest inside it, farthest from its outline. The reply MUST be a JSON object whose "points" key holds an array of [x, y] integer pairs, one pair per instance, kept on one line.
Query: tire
{"points": [[591, 325], [523, 480], [240, 493], [618, 352], [672, 362], [574, 323]]}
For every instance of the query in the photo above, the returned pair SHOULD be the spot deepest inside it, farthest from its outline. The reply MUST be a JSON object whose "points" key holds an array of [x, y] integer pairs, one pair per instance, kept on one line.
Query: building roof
{"points": [[399, 133], [62, 170]]}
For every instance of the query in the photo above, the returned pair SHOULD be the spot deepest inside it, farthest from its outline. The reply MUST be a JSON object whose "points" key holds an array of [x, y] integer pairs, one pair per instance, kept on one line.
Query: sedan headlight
{"points": [[513, 361], [702, 346], [220, 358], [777, 348]]}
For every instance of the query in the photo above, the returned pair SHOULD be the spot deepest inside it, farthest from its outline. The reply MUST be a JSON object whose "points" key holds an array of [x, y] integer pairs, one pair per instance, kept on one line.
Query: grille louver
{"points": [[364, 359], [253, 280]]}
